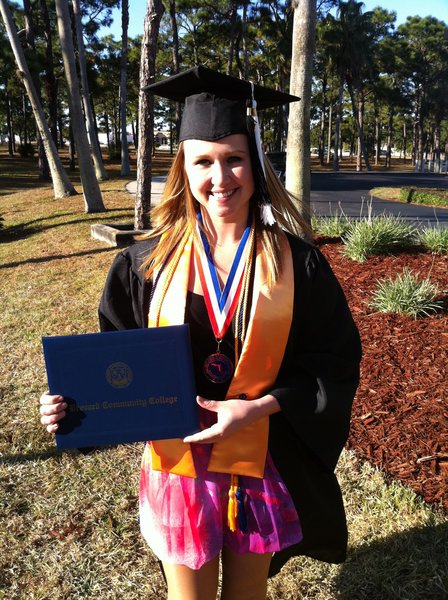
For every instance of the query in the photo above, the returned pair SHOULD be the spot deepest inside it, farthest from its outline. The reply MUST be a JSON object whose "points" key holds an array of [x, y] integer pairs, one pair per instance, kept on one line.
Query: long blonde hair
{"points": [[175, 218]]}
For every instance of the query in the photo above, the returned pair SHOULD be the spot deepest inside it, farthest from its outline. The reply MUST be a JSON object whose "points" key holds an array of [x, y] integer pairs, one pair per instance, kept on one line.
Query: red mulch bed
{"points": [[400, 415]]}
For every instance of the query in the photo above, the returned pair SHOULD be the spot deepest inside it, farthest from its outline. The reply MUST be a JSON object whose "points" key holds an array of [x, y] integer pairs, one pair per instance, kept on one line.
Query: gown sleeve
{"points": [[124, 302]]}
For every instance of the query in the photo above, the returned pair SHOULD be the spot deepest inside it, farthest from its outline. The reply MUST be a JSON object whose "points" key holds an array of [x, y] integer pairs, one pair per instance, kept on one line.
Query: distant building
{"points": [[161, 138]]}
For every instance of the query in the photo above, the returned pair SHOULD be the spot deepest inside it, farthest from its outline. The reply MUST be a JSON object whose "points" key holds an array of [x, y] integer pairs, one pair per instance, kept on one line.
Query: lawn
{"points": [[68, 522]]}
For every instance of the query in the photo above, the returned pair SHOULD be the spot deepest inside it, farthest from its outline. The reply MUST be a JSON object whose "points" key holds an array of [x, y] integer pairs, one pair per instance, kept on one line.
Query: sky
{"points": [[403, 8]]}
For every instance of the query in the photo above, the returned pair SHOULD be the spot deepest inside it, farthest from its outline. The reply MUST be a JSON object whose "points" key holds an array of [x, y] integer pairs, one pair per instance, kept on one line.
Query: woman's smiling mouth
{"points": [[221, 195]]}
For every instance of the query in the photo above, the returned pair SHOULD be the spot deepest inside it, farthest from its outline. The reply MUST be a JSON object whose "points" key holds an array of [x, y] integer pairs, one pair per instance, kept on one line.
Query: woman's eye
{"points": [[203, 162], [234, 159]]}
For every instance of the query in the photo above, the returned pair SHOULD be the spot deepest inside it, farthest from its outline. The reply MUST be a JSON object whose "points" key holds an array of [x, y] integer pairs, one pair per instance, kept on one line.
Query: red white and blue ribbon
{"points": [[221, 303]]}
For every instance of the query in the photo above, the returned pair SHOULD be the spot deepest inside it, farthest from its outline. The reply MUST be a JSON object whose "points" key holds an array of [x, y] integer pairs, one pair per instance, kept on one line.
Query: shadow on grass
{"points": [[410, 566], [53, 453], [44, 259], [24, 230]]}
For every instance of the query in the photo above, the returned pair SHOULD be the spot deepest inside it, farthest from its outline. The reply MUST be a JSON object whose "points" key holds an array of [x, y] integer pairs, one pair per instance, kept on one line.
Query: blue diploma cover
{"points": [[123, 386]]}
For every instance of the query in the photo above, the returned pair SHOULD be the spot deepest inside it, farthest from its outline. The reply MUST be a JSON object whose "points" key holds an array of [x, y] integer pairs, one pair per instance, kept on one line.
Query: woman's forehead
{"points": [[232, 143]]}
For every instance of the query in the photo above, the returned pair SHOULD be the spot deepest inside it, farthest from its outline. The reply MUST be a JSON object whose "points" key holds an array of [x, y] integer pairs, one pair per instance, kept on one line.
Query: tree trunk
{"points": [[437, 153], [61, 183], [377, 138], [298, 176], [44, 171], [390, 132], [125, 166], [330, 133], [233, 22], [91, 190], [154, 12], [51, 86], [360, 128], [9, 122], [176, 65], [323, 111], [414, 142], [106, 126], [245, 49], [25, 120], [337, 127], [71, 147], [100, 171], [61, 132], [356, 116]]}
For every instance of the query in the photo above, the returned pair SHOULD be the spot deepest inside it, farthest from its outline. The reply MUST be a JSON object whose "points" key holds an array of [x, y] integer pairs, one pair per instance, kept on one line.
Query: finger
{"points": [[52, 419], [206, 436], [52, 409], [46, 399], [207, 404], [52, 428]]}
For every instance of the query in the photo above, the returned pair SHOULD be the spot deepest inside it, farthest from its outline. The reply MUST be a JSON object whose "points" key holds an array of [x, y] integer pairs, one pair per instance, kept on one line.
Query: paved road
{"points": [[349, 192]]}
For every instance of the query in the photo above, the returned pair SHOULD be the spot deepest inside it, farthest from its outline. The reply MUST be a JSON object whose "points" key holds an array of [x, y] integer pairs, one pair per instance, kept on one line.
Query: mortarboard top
{"points": [[215, 104], [202, 79]]}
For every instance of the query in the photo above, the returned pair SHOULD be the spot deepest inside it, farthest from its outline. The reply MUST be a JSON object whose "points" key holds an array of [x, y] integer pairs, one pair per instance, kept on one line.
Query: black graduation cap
{"points": [[215, 104]]}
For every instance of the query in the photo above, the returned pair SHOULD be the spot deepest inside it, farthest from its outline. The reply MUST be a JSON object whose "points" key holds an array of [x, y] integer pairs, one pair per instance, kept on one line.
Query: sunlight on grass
{"points": [[69, 521], [406, 294], [379, 235]]}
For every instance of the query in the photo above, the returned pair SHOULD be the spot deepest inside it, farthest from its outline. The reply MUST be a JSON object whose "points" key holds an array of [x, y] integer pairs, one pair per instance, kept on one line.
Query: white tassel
{"points": [[267, 216]]}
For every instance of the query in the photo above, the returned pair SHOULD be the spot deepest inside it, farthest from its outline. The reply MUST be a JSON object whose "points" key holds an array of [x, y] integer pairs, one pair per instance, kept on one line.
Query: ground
{"points": [[400, 415]]}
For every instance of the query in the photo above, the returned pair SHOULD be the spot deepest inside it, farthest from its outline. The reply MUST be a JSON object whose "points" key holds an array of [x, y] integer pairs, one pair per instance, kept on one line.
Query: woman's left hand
{"points": [[232, 415]]}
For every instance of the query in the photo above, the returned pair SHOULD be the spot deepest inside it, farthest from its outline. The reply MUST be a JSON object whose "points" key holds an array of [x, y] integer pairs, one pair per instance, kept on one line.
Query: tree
{"points": [[176, 60], [50, 82], [92, 195], [154, 12], [61, 183], [350, 40], [423, 54], [100, 171], [44, 171], [125, 167], [298, 148]]}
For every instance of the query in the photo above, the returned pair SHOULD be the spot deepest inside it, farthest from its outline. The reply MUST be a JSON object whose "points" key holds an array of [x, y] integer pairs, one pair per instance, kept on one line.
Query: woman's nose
{"points": [[219, 173]]}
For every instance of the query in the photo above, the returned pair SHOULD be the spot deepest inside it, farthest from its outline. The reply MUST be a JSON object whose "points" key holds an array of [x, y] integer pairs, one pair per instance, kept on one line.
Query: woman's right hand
{"points": [[52, 410]]}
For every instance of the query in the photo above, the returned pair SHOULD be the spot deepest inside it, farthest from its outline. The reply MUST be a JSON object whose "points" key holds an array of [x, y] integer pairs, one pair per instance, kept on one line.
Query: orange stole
{"points": [[243, 453]]}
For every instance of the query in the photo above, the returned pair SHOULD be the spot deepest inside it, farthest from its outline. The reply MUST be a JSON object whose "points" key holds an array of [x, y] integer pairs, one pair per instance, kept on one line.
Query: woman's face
{"points": [[220, 176]]}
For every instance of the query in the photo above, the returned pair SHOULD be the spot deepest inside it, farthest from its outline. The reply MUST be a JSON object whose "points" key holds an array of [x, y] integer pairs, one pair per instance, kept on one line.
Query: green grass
{"points": [[377, 236], [68, 522], [407, 294], [336, 225], [434, 239], [437, 197], [427, 196]]}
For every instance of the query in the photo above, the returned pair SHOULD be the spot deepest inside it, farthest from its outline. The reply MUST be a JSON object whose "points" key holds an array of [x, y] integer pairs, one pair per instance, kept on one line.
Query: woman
{"points": [[271, 335]]}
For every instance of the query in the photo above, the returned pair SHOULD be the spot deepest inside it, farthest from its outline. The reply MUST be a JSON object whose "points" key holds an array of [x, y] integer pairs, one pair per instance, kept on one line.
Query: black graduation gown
{"points": [[315, 388]]}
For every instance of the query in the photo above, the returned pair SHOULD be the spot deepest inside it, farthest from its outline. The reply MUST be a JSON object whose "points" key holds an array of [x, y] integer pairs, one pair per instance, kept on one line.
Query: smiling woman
{"points": [[275, 351]]}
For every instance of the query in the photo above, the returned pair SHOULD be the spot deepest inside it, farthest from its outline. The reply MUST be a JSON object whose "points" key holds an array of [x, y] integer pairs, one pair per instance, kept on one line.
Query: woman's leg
{"points": [[244, 576], [189, 584]]}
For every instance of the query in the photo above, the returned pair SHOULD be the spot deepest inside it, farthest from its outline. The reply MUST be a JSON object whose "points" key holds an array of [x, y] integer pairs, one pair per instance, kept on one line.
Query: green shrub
{"points": [[406, 194], [335, 226], [431, 196], [115, 151], [377, 235], [25, 150], [434, 239], [406, 294]]}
